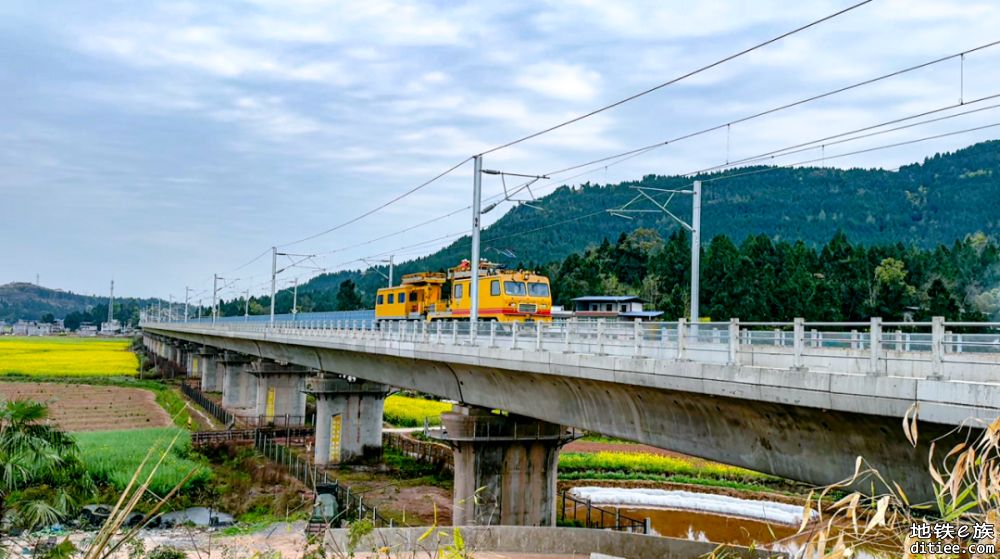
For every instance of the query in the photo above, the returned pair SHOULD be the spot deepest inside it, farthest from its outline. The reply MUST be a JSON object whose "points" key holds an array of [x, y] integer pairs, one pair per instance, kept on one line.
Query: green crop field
{"points": [[639, 464], [407, 411], [64, 356], [112, 457]]}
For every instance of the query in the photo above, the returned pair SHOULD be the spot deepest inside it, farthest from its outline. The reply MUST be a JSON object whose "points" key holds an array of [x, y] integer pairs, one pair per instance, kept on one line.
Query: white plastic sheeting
{"points": [[777, 513]]}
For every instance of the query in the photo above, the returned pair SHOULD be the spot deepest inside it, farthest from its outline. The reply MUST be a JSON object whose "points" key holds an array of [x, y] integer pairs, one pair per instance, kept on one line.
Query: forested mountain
{"points": [[936, 202], [27, 301]]}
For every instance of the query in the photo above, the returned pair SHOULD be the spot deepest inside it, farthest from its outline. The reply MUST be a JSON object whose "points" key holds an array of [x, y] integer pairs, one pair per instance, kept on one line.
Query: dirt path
{"points": [[204, 421]]}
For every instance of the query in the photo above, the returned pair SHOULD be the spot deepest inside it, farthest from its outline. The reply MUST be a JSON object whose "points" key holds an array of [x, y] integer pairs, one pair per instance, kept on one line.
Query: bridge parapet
{"points": [[961, 351]]}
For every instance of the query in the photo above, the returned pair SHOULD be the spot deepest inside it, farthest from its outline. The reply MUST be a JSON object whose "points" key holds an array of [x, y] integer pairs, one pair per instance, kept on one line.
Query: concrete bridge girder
{"points": [[803, 425]]}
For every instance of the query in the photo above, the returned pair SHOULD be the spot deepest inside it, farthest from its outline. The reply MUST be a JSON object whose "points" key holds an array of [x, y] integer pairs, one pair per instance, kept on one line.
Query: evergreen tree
{"points": [[347, 297]]}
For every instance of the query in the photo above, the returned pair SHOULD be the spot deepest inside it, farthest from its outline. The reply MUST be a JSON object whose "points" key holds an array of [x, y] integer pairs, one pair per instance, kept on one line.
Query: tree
{"points": [[42, 476], [940, 302], [890, 294], [48, 318], [347, 297]]}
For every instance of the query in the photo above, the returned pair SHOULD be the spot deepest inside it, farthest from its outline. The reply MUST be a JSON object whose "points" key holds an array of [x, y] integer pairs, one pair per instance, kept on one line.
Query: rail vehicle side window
{"points": [[379, 300], [458, 291], [624, 308], [495, 287], [392, 298], [608, 307], [538, 289], [514, 288], [402, 297]]}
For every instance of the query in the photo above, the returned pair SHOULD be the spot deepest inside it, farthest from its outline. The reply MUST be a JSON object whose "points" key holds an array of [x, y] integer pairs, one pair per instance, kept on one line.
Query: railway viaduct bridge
{"points": [[798, 400]]}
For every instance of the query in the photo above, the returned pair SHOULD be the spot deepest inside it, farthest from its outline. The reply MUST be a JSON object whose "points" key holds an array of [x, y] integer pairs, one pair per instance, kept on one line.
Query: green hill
{"points": [[27, 301], [940, 200]]}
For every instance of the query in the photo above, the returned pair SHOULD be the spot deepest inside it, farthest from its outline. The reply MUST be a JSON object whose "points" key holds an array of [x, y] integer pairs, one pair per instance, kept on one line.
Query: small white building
{"points": [[623, 307], [31, 328], [87, 330], [110, 328]]}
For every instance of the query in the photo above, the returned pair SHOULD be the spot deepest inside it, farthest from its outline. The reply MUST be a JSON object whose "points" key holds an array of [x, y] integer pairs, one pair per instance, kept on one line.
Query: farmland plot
{"points": [[81, 407], [73, 357]]}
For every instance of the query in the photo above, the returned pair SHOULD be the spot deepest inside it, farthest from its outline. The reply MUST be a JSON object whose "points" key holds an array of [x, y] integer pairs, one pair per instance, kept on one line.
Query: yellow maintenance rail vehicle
{"points": [[504, 295]]}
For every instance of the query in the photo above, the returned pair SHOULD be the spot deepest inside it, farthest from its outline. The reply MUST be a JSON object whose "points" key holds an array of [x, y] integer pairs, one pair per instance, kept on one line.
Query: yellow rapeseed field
{"points": [[71, 357]]}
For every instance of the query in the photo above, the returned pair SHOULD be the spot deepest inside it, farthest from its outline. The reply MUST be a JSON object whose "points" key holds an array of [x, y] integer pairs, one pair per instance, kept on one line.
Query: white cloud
{"points": [[300, 113], [570, 82]]}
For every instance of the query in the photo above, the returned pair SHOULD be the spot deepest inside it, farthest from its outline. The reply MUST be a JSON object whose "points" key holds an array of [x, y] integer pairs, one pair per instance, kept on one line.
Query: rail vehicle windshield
{"points": [[514, 288], [538, 289]]}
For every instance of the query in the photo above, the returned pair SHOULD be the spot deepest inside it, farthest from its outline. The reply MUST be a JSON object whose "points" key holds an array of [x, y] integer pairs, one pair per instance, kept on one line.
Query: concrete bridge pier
{"points": [[505, 467], [280, 391], [348, 419], [191, 365], [209, 369], [234, 380]]}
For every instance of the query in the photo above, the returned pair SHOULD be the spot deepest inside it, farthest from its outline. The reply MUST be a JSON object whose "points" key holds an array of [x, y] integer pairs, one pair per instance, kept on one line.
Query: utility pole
{"points": [[170, 307], [695, 253], [159, 309], [477, 198], [215, 296], [391, 268], [111, 303], [199, 308], [246, 307], [274, 275], [275, 271], [649, 193], [187, 296], [295, 298]]}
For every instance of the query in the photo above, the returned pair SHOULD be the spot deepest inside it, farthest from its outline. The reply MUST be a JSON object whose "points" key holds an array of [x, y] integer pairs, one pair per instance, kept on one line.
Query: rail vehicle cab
{"points": [[411, 299], [504, 295]]}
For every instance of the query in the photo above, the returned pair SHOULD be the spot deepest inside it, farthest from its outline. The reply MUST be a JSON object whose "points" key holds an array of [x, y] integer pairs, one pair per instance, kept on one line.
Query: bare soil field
{"points": [[81, 407]]}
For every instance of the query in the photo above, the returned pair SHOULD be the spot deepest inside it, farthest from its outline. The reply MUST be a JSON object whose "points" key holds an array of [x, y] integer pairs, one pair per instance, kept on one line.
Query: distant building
{"points": [[110, 328], [31, 328], [86, 329], [623, 307]]}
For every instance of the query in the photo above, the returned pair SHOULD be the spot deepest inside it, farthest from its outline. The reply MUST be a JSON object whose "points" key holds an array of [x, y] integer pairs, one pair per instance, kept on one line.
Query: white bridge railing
{"points": [[968, 351]]}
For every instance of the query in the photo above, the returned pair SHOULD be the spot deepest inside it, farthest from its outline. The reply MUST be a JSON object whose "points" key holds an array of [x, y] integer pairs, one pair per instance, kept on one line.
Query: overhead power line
{"points": [[757, 171], [379, 207], [840, 138], [677, 79], [782, 107], [568, 122]]}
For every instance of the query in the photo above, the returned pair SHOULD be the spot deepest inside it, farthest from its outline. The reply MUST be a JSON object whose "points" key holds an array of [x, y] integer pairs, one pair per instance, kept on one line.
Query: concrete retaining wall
{"points": [[537, 540]]}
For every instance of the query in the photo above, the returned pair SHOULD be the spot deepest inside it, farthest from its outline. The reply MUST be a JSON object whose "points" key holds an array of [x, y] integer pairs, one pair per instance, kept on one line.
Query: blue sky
{"points": [[159, 142]]}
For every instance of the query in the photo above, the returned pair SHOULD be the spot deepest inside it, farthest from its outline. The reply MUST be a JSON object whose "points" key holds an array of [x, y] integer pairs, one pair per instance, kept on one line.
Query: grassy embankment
{"points": [[637, 466], [112, 457]]}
